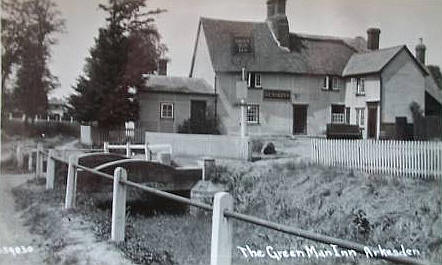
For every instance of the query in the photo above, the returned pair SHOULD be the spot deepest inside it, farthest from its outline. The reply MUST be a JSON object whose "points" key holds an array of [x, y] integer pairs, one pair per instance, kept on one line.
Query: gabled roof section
{"points": [[308, 54], [174, 84], [373, 62]]}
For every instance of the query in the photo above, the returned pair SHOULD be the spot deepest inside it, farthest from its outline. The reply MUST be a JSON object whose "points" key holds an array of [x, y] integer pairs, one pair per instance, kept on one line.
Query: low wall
{"points": [[224, 146]]}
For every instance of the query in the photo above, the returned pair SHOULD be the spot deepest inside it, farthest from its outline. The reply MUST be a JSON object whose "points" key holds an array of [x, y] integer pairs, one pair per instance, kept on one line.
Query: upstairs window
{"points": [[359, 85], [254, 80], [330, 83], [242, 45]]}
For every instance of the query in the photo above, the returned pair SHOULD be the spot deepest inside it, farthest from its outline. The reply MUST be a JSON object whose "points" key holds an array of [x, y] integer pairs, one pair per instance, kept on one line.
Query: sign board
{"points": [[241, 89], [277, 94]]}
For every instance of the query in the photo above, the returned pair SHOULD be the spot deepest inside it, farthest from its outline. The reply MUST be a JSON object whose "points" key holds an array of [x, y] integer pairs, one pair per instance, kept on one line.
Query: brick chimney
{"points": [[162, 67], [420, 51], [373, 38], [277, 19]]}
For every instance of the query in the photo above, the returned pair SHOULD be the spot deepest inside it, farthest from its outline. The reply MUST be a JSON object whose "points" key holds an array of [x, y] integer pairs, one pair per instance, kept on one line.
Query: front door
{"points": [[372, 120], [197, 110], [299, 119]]}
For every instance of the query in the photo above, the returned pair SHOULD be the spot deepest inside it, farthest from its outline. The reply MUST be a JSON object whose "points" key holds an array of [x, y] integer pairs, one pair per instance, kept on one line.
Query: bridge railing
{"points": [[149, 149], [222, 214]]}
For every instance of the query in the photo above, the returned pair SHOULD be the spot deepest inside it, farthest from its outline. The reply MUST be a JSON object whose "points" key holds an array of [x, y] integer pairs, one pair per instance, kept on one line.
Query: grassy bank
{"points": [[371, 210]]}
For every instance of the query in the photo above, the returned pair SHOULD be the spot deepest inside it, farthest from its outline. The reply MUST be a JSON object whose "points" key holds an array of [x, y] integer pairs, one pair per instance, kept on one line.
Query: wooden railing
{"points": [[222, 213], [398, 158]]}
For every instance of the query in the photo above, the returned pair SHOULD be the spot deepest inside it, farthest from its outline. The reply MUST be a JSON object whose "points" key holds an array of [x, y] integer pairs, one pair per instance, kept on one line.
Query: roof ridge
{"points": [[384, 49], [324, 37], [232, 21]]}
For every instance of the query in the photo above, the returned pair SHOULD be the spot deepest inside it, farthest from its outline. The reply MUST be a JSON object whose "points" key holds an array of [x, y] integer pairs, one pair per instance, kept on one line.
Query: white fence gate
{"points": [[398, 158]]}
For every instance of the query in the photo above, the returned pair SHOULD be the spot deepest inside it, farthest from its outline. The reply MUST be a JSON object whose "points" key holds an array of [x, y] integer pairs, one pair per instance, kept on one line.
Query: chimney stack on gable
{"points": [[420, 51], [373, 38], [162, 67], [277, 19]]}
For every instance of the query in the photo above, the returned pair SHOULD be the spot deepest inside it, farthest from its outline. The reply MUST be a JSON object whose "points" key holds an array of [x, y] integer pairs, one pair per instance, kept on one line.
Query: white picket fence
{"points": [[398, 158]]}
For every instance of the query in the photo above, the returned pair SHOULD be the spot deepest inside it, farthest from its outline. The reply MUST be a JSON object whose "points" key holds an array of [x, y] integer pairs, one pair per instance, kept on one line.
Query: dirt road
{"points": [[15, 239]]}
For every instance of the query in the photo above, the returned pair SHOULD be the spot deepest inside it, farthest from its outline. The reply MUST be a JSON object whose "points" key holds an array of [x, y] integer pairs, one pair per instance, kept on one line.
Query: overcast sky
{"points": [[400, 21]]}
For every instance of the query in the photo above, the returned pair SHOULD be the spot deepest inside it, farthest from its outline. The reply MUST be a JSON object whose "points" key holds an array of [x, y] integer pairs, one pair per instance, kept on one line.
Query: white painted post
{"points": [[243, 118], [71, 183], [50, 170], [106, 147], [221, 245], [39, 161], [128, 150], [119, 206], [146, 151], [20, 156], [30, 161], [10, 116]]}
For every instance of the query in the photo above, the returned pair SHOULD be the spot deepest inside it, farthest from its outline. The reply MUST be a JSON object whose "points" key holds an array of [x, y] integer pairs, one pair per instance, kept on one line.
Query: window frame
{"points": [[248, 115], [164, 117], [360, 117], [330, 83], [360, 86]]}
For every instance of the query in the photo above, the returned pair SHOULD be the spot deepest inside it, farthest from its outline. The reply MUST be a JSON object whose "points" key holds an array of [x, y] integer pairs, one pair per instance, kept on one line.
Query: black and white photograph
{"points": [[230, 132]]}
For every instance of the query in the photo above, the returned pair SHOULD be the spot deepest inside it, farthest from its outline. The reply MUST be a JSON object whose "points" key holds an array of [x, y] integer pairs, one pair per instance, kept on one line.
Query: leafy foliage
{"points": [[127, 47], [28, 29], [203, 126]]}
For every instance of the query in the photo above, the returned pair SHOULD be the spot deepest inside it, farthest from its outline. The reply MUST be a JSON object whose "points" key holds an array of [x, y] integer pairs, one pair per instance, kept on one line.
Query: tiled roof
{"points": [[370, 62], [174, 84], [308, 54]]}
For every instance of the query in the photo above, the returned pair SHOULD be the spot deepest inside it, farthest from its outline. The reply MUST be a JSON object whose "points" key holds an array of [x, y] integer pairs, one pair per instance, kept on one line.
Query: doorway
{"points": [[300, 119], [372, 123], [197, 110]]}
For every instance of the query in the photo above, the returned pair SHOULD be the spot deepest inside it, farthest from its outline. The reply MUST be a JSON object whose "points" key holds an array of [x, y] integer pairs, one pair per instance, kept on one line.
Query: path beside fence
{"points": [[397, 158]]}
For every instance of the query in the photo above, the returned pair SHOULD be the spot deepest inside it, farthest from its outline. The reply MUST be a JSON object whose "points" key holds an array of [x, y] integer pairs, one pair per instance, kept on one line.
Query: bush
{"points": [[205, 126]]}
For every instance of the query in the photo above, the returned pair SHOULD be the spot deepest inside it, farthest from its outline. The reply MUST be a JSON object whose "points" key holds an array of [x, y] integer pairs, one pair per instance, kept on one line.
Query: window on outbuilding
{"points": [[166, 110]]}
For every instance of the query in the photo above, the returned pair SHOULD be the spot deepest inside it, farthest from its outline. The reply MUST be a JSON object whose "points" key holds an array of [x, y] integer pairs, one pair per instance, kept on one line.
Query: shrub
{"points": [[204, 126]]}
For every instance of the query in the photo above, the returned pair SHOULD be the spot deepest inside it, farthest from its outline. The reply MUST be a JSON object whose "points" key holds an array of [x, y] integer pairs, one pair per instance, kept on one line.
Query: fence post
{"points": [[221, 245], [20, 156], [71, 183], [50, 170], [30, 160], [128, 150], [119, 205], [106, 147], [39, 161], [146, 151]]}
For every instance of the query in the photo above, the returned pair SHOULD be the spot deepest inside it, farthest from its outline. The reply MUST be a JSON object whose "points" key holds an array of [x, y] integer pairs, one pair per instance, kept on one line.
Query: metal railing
{"points": [[222, 214]]}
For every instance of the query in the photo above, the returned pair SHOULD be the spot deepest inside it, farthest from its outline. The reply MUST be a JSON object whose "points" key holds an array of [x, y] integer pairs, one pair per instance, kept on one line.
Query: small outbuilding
{"points": [[166, 102]]}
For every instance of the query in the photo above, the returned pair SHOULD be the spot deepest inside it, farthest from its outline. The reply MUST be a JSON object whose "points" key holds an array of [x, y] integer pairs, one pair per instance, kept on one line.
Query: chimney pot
{"points": [[373, 38], [162, 67], [420, 51]]}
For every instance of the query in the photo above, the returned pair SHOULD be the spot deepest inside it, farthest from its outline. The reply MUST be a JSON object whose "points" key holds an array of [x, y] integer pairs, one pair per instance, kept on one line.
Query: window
{"points": [[254, 80], [330, 83], [242, 45], [359, 84], [253, 114], [166, 110], [360, 117], [338, 114]]}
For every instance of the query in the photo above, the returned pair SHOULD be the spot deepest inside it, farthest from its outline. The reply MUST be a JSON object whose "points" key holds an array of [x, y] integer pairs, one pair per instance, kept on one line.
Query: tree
{"points": [[28, 29], [127, 47]]}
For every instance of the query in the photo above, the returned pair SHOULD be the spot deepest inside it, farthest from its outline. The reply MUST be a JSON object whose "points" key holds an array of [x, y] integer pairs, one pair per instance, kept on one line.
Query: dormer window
{"points": [[254, 80], [330, 83], [242, 45]]}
